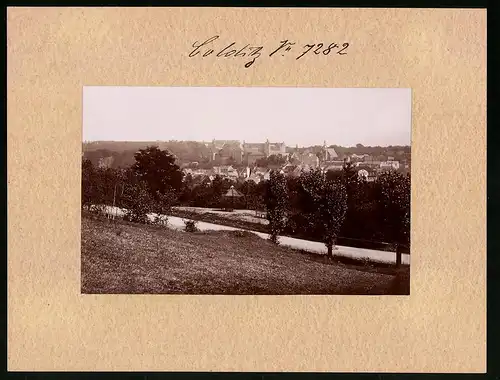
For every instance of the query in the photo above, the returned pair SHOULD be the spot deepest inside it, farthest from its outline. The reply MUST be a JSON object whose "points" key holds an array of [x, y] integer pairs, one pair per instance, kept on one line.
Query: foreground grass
{"points": [[121, 257]]}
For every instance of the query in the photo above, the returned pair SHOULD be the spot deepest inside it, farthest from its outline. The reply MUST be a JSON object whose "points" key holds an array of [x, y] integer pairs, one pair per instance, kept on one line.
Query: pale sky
{"points": [[303, 116]]}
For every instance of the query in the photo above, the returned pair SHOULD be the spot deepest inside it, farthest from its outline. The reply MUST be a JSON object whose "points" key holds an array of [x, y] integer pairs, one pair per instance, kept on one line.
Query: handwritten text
{"points": [[251, 52]]}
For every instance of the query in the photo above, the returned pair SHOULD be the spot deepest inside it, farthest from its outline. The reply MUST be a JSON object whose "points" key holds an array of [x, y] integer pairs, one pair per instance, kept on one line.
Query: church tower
{"points": [[324, 152]]}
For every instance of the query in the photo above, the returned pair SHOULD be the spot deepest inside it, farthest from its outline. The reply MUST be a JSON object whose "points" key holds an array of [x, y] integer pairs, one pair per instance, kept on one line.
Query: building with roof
{"points": [[336, 165], [106, 162], [389, 165], [328, 154], [232, 151]]}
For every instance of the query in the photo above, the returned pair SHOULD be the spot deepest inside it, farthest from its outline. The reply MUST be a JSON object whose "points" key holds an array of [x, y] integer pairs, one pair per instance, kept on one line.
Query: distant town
{"points": [[250, 161]]}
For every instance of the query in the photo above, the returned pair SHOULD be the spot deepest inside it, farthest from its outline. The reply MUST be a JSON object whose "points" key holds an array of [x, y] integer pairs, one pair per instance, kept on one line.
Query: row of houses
{"points": [[368, 170]]}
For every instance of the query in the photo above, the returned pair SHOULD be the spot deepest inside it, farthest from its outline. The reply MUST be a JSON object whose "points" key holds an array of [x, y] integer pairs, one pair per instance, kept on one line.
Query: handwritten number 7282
{"points": [[326, 51]]}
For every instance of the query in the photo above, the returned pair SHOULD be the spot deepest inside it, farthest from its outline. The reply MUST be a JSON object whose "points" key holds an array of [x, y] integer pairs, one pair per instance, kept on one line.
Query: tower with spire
{"points": [[328, 154]]}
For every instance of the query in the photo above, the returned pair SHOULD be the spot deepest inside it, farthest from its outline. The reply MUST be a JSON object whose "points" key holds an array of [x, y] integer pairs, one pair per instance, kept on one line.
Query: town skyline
{"points": [[319, 143], [296, 116]]}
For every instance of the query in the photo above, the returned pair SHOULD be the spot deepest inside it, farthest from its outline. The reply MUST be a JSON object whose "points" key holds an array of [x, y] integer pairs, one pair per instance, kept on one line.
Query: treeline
{"points": [[330, 207], [122, 152]]}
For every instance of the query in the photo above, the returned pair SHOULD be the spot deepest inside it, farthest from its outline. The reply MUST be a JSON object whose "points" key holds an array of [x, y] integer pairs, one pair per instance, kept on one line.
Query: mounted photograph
{"points": [[246, 191]]}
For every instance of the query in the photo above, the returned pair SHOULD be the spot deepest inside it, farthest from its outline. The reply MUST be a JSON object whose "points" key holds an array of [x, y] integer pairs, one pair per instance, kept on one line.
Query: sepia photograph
{"points": [[246, 191]]}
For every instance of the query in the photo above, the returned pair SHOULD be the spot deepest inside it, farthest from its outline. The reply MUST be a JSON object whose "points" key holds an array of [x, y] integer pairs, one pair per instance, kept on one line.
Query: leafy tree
{"points": [[301, 204], [200, 195], [328, 206], [220, 186], [394, 199], [103, 185], [161, 205], [158, 170], [276, 202], [349, 173], [254, 195], [88, 183], [334, 175], [138, 202]]}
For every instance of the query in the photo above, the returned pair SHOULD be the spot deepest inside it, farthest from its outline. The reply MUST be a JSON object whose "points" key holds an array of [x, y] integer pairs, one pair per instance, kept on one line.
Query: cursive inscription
{"points": [[206, 49], [250, 53]]}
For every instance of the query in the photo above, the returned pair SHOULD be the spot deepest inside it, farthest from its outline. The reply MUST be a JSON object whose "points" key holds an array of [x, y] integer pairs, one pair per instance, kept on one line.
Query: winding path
{"points": [[306, 245]]}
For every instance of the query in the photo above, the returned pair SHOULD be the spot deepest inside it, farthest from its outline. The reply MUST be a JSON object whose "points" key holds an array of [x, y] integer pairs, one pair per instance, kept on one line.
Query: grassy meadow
{"points": [[119, 257]]}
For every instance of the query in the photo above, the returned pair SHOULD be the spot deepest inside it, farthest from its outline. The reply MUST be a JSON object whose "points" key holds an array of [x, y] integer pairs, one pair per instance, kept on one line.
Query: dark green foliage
{"points": [[98, 186], [88, 183], [394, 191], [138, 202], [377, 212], [161, 206], [157, 168], [276, 204], [326, 206], [220, 186]]}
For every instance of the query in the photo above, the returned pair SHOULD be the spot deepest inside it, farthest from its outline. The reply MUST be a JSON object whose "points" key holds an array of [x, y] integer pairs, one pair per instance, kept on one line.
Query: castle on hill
{"points": [[224, 152]]}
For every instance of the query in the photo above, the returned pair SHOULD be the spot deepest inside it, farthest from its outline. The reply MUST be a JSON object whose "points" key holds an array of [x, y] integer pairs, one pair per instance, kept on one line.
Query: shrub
{"points": [[160, 220], [161, 205], [190, 226]]}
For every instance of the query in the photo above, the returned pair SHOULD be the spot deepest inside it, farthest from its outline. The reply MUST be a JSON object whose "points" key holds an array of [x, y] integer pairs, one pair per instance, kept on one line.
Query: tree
{"points": [[394, 199], [349, 173], [220, 186], [88, 182], [161, 205], [276, 202], [102, 184], [327, 208], [138, 202], [158, 170]]}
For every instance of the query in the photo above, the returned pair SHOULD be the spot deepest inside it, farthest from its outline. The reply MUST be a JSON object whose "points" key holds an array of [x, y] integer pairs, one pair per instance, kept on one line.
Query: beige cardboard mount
{"points": [[441, 327]]}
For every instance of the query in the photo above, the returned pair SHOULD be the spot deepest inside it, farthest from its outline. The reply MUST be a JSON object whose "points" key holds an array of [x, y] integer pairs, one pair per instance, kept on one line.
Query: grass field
{"points": [[127, 258]]}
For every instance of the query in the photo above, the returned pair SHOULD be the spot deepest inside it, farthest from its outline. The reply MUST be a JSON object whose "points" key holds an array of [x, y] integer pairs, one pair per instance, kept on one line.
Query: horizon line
{"points": [[244, 141]]}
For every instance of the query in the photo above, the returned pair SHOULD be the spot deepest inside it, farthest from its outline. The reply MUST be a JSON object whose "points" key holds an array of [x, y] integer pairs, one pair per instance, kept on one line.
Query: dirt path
{"points": [[306, 245]]}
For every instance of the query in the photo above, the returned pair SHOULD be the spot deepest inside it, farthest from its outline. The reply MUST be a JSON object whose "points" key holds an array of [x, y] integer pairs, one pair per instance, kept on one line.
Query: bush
{"points": [[160, 220], [190, 226]]}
